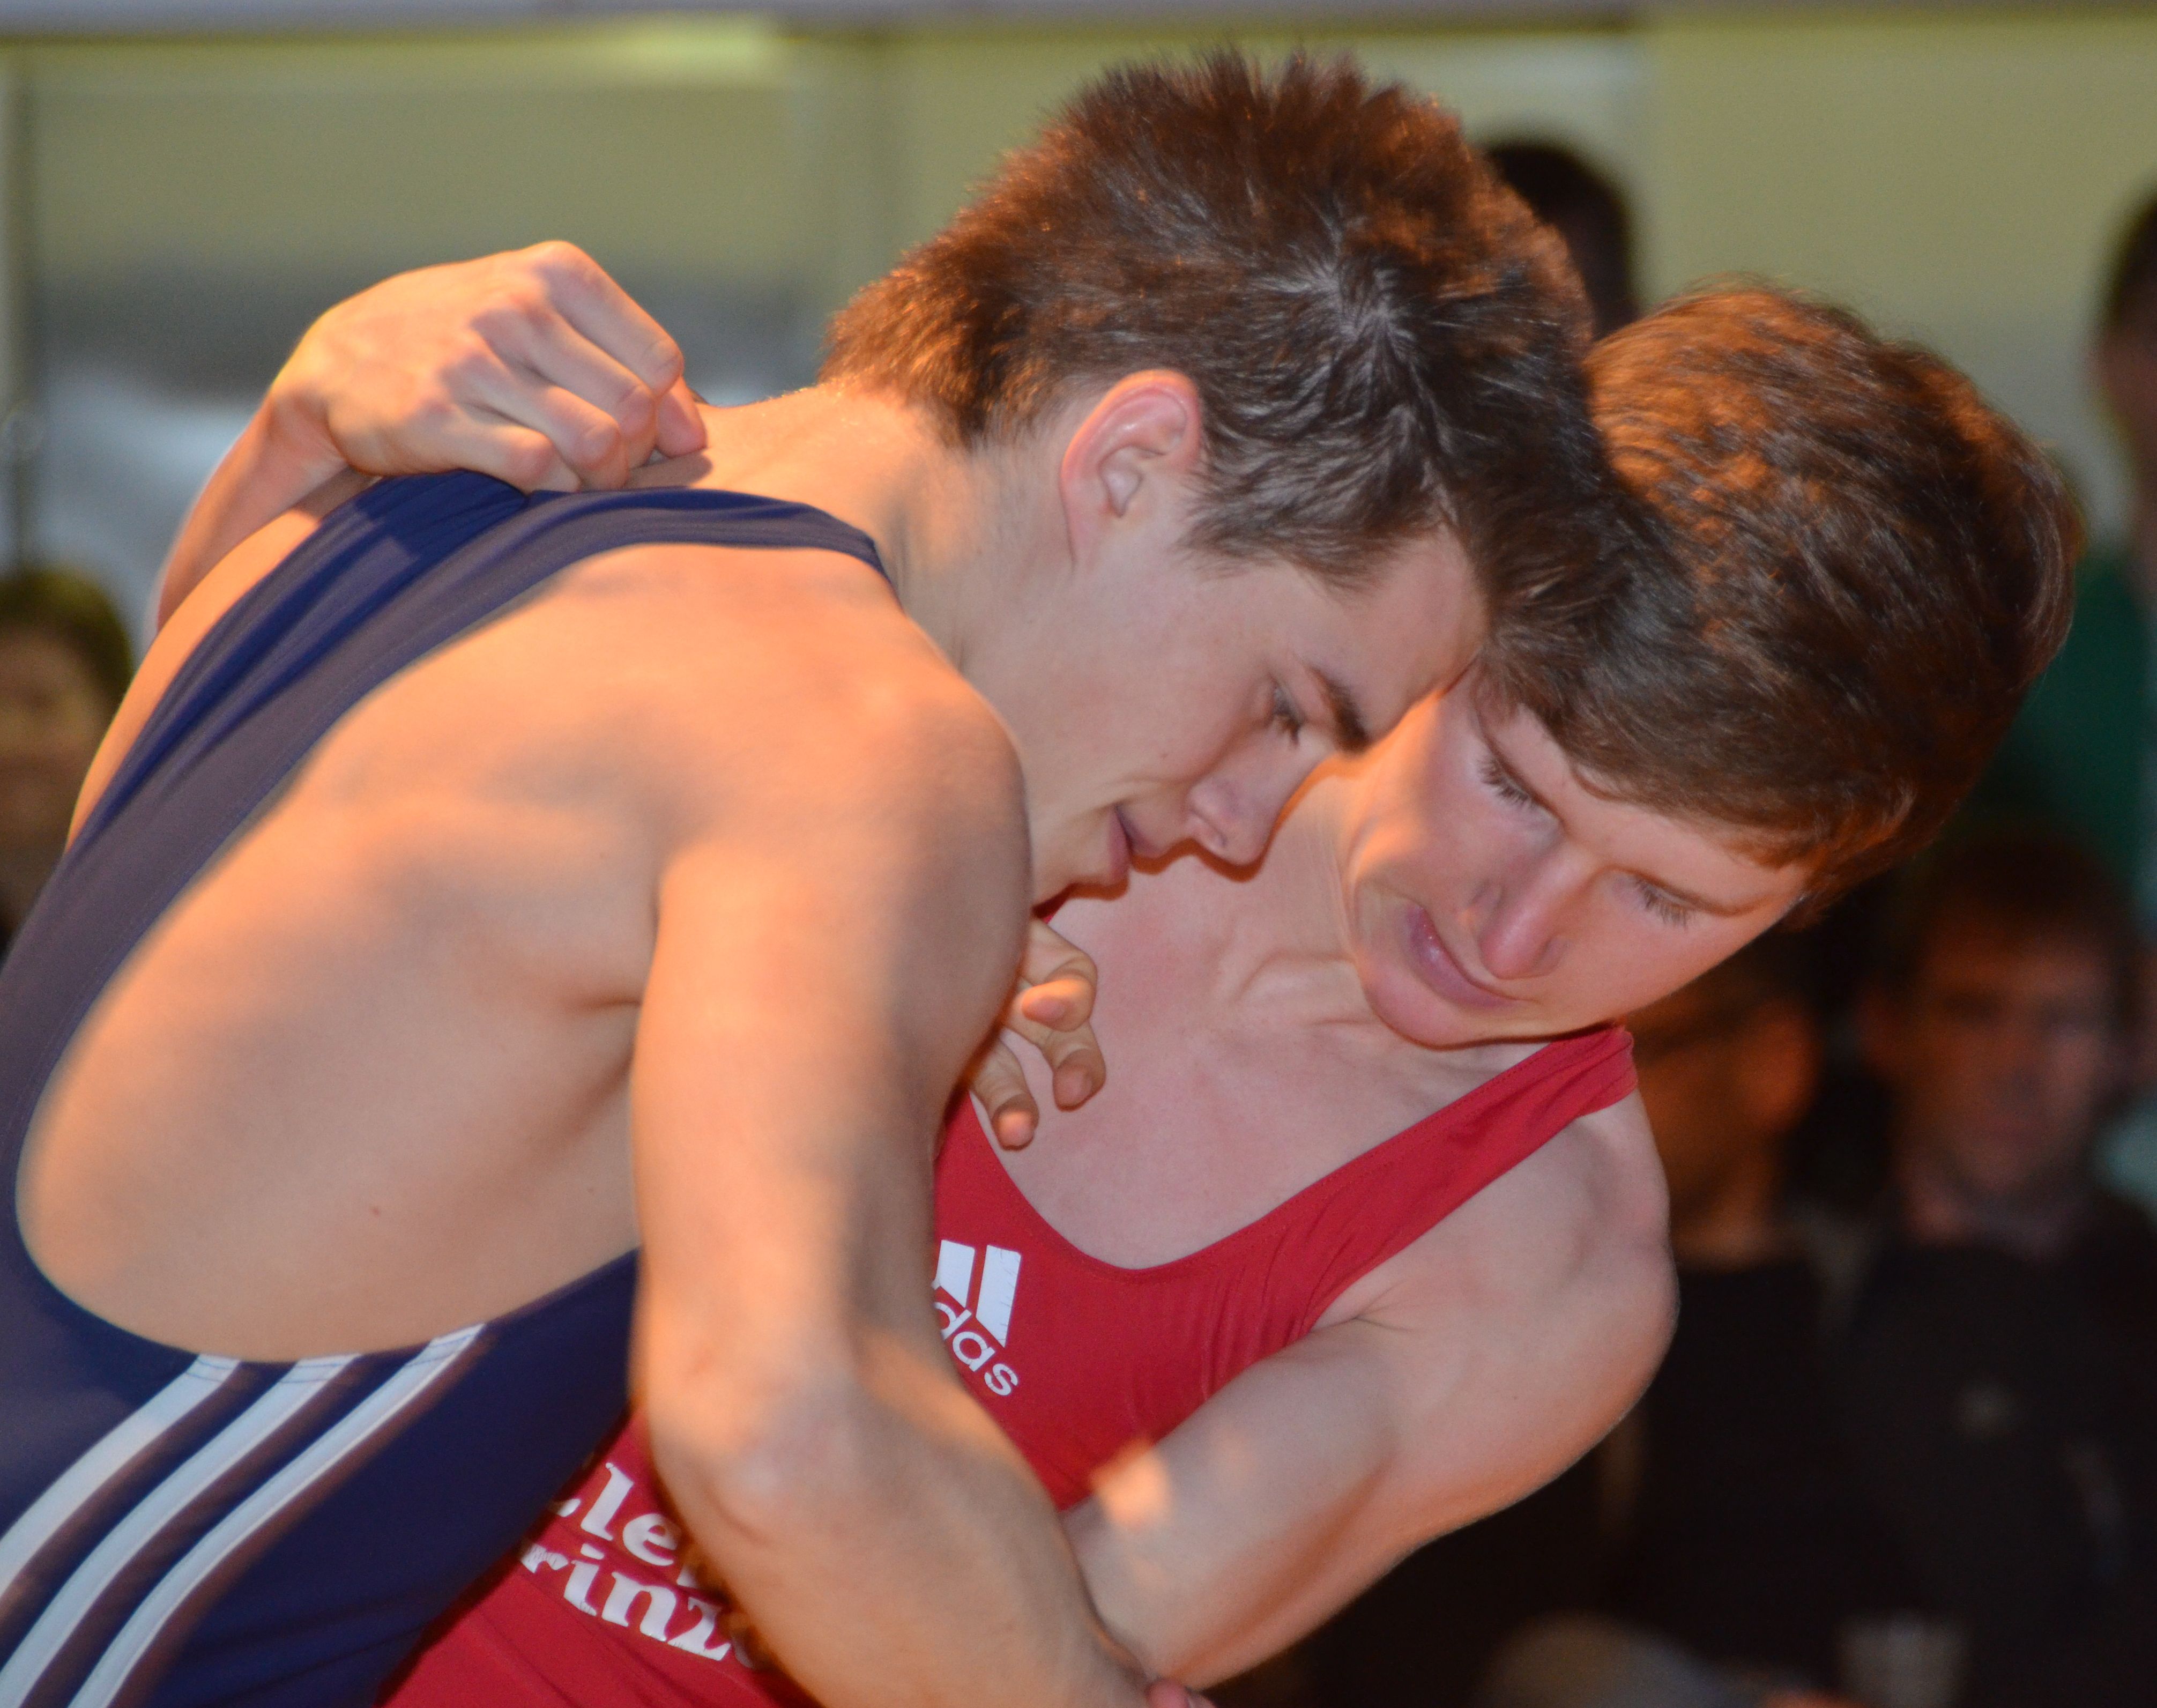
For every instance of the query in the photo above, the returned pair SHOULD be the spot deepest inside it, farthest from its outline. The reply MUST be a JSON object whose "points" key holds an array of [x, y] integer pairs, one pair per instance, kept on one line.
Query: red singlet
{"points": [[1077, 1358]]}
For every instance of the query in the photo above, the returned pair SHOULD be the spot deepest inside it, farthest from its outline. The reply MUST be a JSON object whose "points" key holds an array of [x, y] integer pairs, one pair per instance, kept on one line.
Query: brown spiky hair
{"points": [[1854, 570], [1382, 340]]}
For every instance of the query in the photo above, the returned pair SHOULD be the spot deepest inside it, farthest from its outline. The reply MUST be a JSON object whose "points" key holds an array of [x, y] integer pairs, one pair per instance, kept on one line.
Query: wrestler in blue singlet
{"points": [[179, 1529]]}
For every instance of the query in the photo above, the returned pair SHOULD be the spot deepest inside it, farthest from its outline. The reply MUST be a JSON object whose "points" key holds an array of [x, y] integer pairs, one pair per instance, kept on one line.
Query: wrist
{"points": [[287, 445]]}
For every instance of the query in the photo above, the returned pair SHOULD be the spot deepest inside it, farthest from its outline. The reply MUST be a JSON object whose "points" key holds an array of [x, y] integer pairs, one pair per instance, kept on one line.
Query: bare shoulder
{"points": [[1563, 1260], [790, 683], [199, 611]]}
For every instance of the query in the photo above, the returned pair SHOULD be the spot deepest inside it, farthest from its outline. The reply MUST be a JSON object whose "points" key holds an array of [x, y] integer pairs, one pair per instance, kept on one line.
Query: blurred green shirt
{"points": [[2081, 755]]}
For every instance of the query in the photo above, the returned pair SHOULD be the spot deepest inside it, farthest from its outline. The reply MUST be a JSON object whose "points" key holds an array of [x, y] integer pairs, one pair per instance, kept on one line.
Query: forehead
{"points": [[1410, 626]]}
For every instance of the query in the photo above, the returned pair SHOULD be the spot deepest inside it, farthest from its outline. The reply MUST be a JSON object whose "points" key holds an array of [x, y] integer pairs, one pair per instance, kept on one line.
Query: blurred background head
{"points": [[1999, 1025], [1728, 1068], [1587, 210], [64, 663], [2127, 348]]}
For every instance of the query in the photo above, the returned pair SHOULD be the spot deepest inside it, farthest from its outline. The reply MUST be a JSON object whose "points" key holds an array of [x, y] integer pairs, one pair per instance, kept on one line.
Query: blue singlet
{"points": [[179, 1529]]}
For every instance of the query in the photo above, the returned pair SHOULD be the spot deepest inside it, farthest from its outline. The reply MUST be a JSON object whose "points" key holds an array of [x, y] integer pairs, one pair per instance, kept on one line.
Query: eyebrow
{"points": [[1349, 727]]}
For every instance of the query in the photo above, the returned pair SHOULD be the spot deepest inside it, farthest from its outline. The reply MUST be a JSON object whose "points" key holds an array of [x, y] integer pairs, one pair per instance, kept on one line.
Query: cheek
{"points": [[2080, 1071], [1628, 960]]}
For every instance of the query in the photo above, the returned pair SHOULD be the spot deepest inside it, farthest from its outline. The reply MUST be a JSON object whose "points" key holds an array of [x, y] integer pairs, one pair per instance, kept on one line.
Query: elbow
{"points": [[759, 1465]]}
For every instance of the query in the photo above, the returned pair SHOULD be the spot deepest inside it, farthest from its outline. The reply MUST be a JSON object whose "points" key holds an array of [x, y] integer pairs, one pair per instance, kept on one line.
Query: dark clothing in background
{"points": [[1422, 1635], [1869, 1429], [1751, 1538], [1992, 1418]]}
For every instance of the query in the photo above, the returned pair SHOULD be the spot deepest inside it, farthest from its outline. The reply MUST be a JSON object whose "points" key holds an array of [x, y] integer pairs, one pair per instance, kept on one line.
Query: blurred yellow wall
{"points": [[1959, 177]]}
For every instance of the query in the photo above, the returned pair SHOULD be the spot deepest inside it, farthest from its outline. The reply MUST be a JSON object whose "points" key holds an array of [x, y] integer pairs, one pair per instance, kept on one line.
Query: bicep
{"points": [[816, 984], [1500, 1348]]}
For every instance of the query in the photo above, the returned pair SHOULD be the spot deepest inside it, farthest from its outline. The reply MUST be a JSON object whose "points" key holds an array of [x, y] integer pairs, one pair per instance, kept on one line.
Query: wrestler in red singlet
{"points": [[1075, 1358]]}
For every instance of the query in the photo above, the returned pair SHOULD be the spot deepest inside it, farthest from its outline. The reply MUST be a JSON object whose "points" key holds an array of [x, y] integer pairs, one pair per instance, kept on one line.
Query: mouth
{"points": [[1118, 857], [1442, 970]]}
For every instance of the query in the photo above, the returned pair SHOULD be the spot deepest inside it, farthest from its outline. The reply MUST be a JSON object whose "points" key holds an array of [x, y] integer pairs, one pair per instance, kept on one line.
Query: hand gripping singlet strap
{"points": [[178, 1528]]}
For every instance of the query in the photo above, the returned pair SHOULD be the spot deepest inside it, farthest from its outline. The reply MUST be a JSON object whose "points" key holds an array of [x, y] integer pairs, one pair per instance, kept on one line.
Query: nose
{"points": [[1518, 932], [1232, 817]]}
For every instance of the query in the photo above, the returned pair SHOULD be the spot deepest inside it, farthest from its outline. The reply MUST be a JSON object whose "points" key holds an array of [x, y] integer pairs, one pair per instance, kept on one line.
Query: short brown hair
{"points": [[1856, 569], [2130, 291], [73, 609], [1383, 339]]}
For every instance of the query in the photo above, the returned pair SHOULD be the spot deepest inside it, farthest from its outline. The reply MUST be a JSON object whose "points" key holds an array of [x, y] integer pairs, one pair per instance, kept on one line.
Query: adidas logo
{"points": [[978, 1325]]}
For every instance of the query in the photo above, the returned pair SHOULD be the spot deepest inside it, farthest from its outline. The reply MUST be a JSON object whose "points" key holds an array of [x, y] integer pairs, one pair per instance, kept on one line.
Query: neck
{"points": [[1293, 945], [1938, 1209], [935, 510], [1273, 941]]}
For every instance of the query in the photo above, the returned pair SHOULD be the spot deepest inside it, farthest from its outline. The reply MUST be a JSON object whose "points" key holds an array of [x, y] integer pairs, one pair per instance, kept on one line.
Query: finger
{"points": [[681, 428], [1076, 1065], [528, 460], [1059, 1003], [599, 417], [1000, 1084], [1064, 971], [607, 315], [451, 436], [559, 357], [586, 438]]}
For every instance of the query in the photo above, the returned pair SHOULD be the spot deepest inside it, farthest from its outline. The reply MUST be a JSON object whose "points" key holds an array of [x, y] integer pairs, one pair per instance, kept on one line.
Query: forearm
{"points": [[893, 1549], [269, 469], [1248, 1527], [1465, 1373], [884, 1538]]}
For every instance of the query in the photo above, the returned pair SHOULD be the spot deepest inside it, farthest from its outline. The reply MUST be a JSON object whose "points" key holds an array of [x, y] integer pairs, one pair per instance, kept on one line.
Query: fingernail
{"points": [[1014, 1129]]}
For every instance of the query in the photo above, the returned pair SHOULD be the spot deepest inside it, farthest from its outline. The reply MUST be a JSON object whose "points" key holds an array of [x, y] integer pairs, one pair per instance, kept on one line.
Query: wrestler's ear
{"points": [[1128, 464]]}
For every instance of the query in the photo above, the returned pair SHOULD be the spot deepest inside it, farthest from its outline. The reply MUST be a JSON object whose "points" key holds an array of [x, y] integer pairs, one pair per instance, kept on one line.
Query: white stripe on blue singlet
{"points": [[149, 1516], [118, 1448], [371, 1415]]}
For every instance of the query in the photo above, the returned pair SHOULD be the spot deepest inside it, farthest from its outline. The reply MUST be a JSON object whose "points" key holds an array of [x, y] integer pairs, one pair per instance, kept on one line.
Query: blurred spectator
{"points": [[1925, 1430], [2000, 1025], [2084, 754], [2081, 755], [65, 664], [1585, 209]]}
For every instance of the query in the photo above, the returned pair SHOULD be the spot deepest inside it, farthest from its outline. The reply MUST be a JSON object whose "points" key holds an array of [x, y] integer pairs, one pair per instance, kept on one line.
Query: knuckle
{"points": [[558, 255], [662, 365], [594, 444], [432, 410], [527, 461], [468, 362], [527, 305]]}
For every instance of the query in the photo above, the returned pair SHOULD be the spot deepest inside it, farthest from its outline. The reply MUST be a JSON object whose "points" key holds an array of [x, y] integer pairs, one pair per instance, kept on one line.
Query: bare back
{"points": [[368, 1079]]}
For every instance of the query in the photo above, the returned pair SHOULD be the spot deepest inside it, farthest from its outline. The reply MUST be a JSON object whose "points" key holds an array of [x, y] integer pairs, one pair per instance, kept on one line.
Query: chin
{"points": [[1418, 1014]]}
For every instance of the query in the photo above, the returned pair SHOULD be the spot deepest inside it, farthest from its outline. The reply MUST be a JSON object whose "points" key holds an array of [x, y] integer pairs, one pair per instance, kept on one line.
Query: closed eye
{"points": [[1670, 911], [1501, 784], [1286, 718]]}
